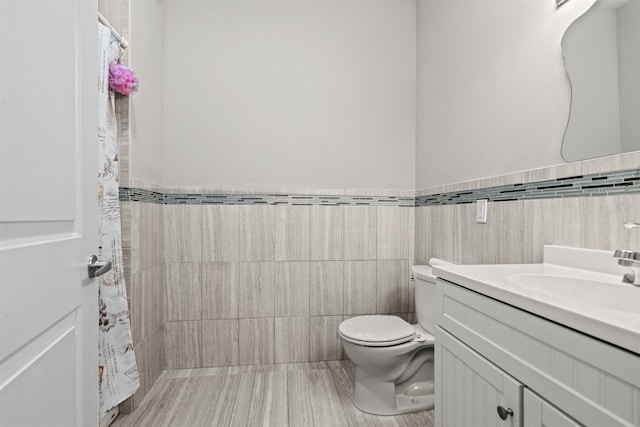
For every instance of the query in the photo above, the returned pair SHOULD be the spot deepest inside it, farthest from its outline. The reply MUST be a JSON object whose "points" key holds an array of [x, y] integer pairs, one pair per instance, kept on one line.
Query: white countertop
{"points": [[598, 318]]}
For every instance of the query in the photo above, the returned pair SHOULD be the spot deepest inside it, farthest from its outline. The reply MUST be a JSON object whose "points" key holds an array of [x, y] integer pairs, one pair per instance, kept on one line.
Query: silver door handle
{"points": [[97, 268]]}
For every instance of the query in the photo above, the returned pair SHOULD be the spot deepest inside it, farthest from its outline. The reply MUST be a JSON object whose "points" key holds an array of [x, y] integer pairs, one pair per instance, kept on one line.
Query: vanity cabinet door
{"points": [[470, 389], [539, 413]]}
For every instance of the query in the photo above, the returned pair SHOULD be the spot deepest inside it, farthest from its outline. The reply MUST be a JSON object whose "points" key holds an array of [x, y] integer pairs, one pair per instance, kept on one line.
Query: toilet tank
{"points": [[425, 296]]}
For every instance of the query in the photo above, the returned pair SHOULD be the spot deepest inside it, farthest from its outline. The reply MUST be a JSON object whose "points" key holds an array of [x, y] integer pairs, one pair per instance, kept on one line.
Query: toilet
{"points": [[393, 358]]}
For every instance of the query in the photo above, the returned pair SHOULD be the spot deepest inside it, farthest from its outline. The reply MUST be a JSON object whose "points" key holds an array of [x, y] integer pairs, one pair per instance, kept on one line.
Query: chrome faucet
{"points": [[630, 259]]}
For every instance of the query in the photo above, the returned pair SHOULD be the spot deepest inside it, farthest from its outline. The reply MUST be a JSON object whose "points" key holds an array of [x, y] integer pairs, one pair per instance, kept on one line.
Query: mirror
{"points": [[602, 60]]}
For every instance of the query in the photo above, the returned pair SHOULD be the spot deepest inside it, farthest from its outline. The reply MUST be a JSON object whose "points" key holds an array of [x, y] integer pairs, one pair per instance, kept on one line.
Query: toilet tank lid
{"points": [[423, 272]]}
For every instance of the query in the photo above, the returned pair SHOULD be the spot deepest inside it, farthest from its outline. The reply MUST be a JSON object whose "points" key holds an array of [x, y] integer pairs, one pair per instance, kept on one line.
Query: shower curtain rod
{"points": [[123, 42]]}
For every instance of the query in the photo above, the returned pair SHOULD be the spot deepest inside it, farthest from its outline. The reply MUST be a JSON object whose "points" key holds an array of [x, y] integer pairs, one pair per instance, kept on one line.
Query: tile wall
{"points": [[225, 283], [256, 284], [145, 277], [219, 284], [517, 230]]}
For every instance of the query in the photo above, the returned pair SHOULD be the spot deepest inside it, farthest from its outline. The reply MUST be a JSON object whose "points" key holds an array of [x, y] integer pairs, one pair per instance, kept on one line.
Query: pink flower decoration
{"points": [[121, 79]]}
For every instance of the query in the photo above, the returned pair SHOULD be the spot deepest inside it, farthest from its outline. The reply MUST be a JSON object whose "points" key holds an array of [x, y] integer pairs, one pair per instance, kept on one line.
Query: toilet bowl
{"points": [[393, 358]]}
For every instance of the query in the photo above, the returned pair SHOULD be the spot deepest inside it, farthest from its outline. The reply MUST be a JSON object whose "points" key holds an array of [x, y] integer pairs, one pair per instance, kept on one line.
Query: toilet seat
{"points": [[376, 331]]}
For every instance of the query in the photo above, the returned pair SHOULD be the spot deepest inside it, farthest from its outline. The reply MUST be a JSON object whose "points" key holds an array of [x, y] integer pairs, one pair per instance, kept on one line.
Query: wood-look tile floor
{"points": [[315, 394]]}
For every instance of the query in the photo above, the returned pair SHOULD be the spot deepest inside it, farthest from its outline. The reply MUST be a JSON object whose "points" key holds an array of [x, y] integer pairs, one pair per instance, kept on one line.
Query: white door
{"points": [[48, 212]]}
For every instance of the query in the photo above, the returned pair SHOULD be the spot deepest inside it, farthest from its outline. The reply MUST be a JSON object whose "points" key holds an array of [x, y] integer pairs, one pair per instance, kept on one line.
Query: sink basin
{"points": [[577, 291], [578, 288]]}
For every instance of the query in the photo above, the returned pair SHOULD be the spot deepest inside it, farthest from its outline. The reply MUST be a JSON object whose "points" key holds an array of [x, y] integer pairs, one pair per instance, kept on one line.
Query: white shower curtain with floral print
{"points": [[117, 369]]}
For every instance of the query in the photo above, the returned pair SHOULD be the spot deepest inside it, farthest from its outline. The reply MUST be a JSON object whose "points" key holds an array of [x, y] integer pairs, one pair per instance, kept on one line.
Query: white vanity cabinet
{"points": [[541, 413], [473, 388], [491, 354]]}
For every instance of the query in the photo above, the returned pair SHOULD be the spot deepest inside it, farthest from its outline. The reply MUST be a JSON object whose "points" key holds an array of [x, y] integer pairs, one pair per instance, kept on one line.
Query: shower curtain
{"points": [[117, 369]]}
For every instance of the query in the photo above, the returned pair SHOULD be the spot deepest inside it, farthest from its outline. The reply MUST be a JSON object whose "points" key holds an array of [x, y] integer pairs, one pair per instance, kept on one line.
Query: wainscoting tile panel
{"points": [[467, 235], [146, 308], [183, 291], [439, 234], [256, 289], [292, 289], [443, 246], [148, 236], [593, 222], [156, 297], [126, 272], [499, 241], [145, 364], [292, 339], [608, 214], [411, 289], [326, 286], [157, 355], [324, 342], [134, 401], [359, 233], [360, 287], [221, 232], [125, 219], [555, 221], [327, 223], [292, 233], [136, 309], [156, 244], [183, 233], [150, 361], [395, 232], [392, 286], [257, 233], [422, 234], [502, 236], [182, 345], [220, 345], [139, 236], [257, 341], [220, 290]]}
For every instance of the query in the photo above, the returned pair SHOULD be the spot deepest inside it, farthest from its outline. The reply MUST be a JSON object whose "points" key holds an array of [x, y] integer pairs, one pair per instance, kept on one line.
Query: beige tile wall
{"points": [[270, 284], [241, 285], [516, 231], [142, 230]]}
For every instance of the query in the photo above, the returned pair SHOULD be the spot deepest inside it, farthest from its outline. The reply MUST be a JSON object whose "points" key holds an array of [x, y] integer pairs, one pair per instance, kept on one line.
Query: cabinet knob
{"points": [[504, 413]]}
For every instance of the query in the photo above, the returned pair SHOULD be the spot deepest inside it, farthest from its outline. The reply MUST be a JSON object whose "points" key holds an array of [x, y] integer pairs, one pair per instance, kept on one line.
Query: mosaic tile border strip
{"points": [[138, 195], [285, 199], [601, 184]]}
